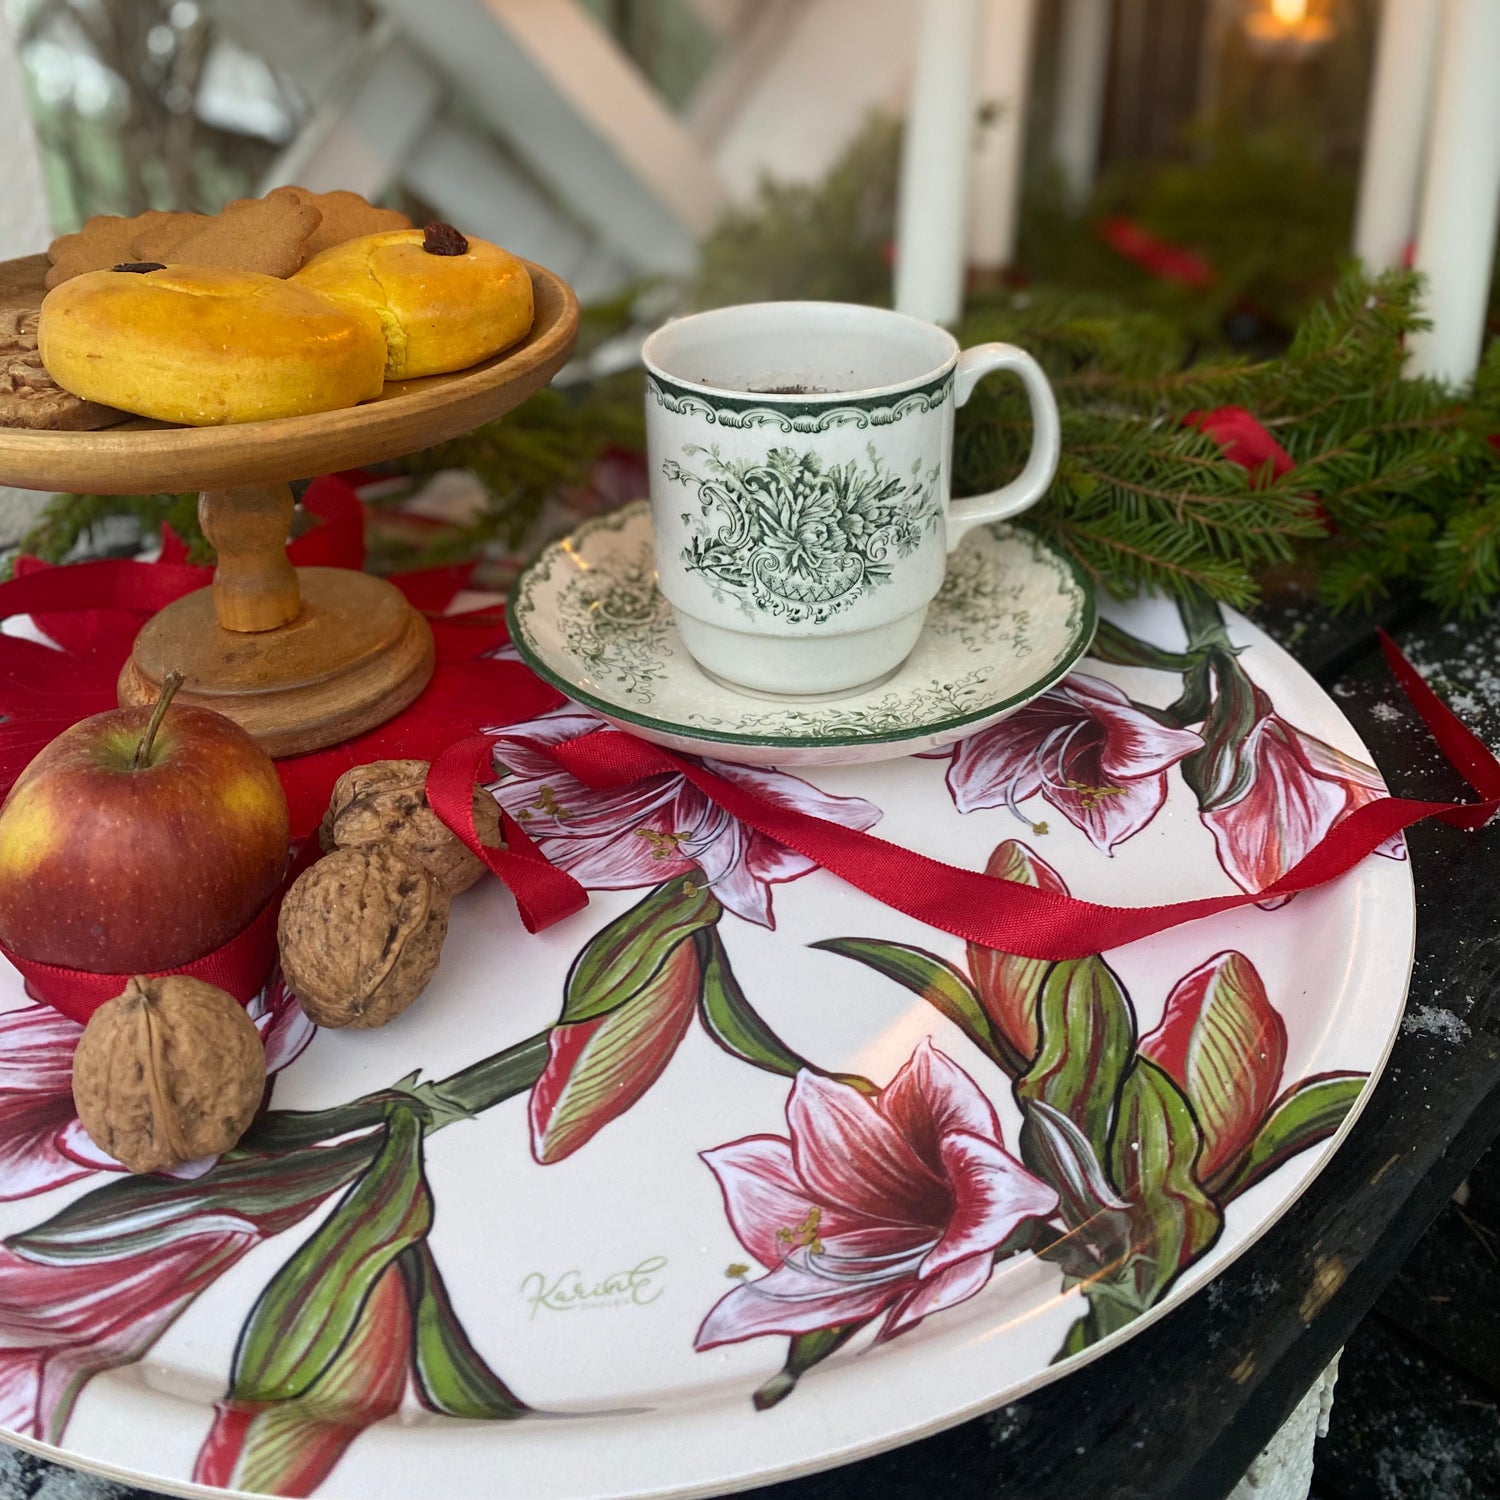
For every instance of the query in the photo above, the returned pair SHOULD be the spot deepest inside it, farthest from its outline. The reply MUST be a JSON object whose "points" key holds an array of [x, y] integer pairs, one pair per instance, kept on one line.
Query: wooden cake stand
{"points": [[301, 657]]}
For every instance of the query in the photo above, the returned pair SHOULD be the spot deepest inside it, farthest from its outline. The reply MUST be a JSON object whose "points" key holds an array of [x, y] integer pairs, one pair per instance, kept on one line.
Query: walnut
{"points": [[386, 802], [361, 933], [170, 1070]]}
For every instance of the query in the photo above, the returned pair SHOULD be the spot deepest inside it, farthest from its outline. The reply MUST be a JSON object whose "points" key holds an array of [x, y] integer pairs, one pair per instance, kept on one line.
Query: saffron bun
{"points": [[440, 311], [204, 345]]}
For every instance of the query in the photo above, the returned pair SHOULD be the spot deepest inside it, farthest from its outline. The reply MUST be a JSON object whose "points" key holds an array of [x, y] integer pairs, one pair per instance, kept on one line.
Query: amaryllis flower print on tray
{"points": [[1144, 1140], [42, 1145], [643, 834], [892, 1206], [94, 1286], [358, 1318], [1269, 794], [1043, 1131], [1085, 748]]}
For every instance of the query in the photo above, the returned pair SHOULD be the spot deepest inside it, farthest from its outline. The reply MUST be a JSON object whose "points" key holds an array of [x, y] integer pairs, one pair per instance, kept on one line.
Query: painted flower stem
{"points": [[1120, 648], [1203, 619], [484, 1084], [460, 1096]]}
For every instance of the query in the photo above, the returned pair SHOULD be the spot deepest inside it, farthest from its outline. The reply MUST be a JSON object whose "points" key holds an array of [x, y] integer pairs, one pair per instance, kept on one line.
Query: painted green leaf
{"points": [[312, 1304], [597, 1069], [134, 1215], [289, 1447], [1223, 1044], [1096, 1219], [1121, 649], [925, 974], [1009, 987], [804, 1350], [1085, 1331], [1088, 1040], [735, 1024], [451, 1375], [1306, 1113], [624, 957], [1171, 1220], [1111, 1307], [1152, 1161], [731, 1020]]}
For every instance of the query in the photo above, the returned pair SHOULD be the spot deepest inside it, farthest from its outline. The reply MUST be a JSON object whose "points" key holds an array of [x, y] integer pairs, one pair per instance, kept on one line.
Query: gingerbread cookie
{"points": [[104, 241], [267, 235], [346, 216], [29, 397], [160, 234]]}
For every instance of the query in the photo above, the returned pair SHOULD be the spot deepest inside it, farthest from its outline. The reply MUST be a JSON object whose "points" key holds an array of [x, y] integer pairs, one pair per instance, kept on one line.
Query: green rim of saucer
{"points": [[539, 569]]}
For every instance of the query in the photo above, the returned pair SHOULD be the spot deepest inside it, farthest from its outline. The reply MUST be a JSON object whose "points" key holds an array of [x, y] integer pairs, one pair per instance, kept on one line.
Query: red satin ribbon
{"points": [[544, 894], [1004, 915], [1022, 919], [241, 966]]}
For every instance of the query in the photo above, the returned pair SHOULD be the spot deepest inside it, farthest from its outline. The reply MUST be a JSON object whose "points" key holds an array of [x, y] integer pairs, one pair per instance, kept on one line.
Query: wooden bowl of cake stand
{"points": [[301, 657]]}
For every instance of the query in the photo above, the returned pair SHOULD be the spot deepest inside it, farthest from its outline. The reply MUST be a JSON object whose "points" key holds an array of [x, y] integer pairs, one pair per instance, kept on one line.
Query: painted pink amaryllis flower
{"points": [[648, 832], [1296, 787], [63, 1323], [894, 1204], [42, 1145], [96, 1285], [1086, 748]]}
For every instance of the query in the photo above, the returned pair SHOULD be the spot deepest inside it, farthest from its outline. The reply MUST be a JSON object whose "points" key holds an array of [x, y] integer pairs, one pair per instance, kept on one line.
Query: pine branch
{"points": [[69, 523]]}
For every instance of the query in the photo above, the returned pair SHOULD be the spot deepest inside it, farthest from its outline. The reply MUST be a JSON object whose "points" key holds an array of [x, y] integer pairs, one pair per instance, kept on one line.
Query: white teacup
{"points": [[800, 456]]}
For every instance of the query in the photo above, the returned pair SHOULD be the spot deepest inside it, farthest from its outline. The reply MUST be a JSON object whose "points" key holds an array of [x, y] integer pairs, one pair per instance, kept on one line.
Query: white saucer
{"points": [[1012, 619]]}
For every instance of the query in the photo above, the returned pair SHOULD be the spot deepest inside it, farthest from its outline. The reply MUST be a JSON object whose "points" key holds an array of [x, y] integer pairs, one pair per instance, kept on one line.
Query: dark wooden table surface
{"points": [[1179, 1412]]}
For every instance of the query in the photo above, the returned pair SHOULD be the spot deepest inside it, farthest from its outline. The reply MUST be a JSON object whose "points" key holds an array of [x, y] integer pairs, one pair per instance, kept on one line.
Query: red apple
{"points": [[139, 840]]}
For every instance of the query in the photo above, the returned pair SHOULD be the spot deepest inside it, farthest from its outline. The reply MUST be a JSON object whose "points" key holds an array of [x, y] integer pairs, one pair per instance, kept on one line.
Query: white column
{"points": [[1082, 75], [931, 215], [25, 226], [1461, 194], [1396, 130], [999, 166]]}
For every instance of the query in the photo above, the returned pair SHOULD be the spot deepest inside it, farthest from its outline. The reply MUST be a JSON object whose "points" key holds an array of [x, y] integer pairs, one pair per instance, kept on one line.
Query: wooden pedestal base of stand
{"points": [[299, 657], [356, 655]]}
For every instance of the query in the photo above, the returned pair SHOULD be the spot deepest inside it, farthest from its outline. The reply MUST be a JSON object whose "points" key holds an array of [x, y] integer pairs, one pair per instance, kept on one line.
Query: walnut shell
{"points": [[386, 802], [361, 933], [170, 1070]]}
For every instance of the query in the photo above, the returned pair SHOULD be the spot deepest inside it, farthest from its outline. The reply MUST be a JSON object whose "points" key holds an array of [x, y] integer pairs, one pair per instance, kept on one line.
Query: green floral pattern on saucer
{"points": [[615, 620], [1011, 619]]}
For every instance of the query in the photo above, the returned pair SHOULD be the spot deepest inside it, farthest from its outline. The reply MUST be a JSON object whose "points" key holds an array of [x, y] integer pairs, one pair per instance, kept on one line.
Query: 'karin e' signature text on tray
{"points": [[570, 1292]]}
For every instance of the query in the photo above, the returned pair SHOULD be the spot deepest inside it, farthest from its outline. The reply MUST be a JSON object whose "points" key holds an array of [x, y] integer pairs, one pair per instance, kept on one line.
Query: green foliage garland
{"points": [[1395, 483]]}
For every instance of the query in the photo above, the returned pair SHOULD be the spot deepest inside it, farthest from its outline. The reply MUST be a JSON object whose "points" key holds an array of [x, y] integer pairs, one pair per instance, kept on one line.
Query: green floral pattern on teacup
{"points": [[794, 539]]}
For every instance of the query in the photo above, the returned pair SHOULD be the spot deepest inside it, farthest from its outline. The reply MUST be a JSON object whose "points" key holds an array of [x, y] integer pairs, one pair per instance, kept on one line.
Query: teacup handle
{"points": [[1046, 438]]}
